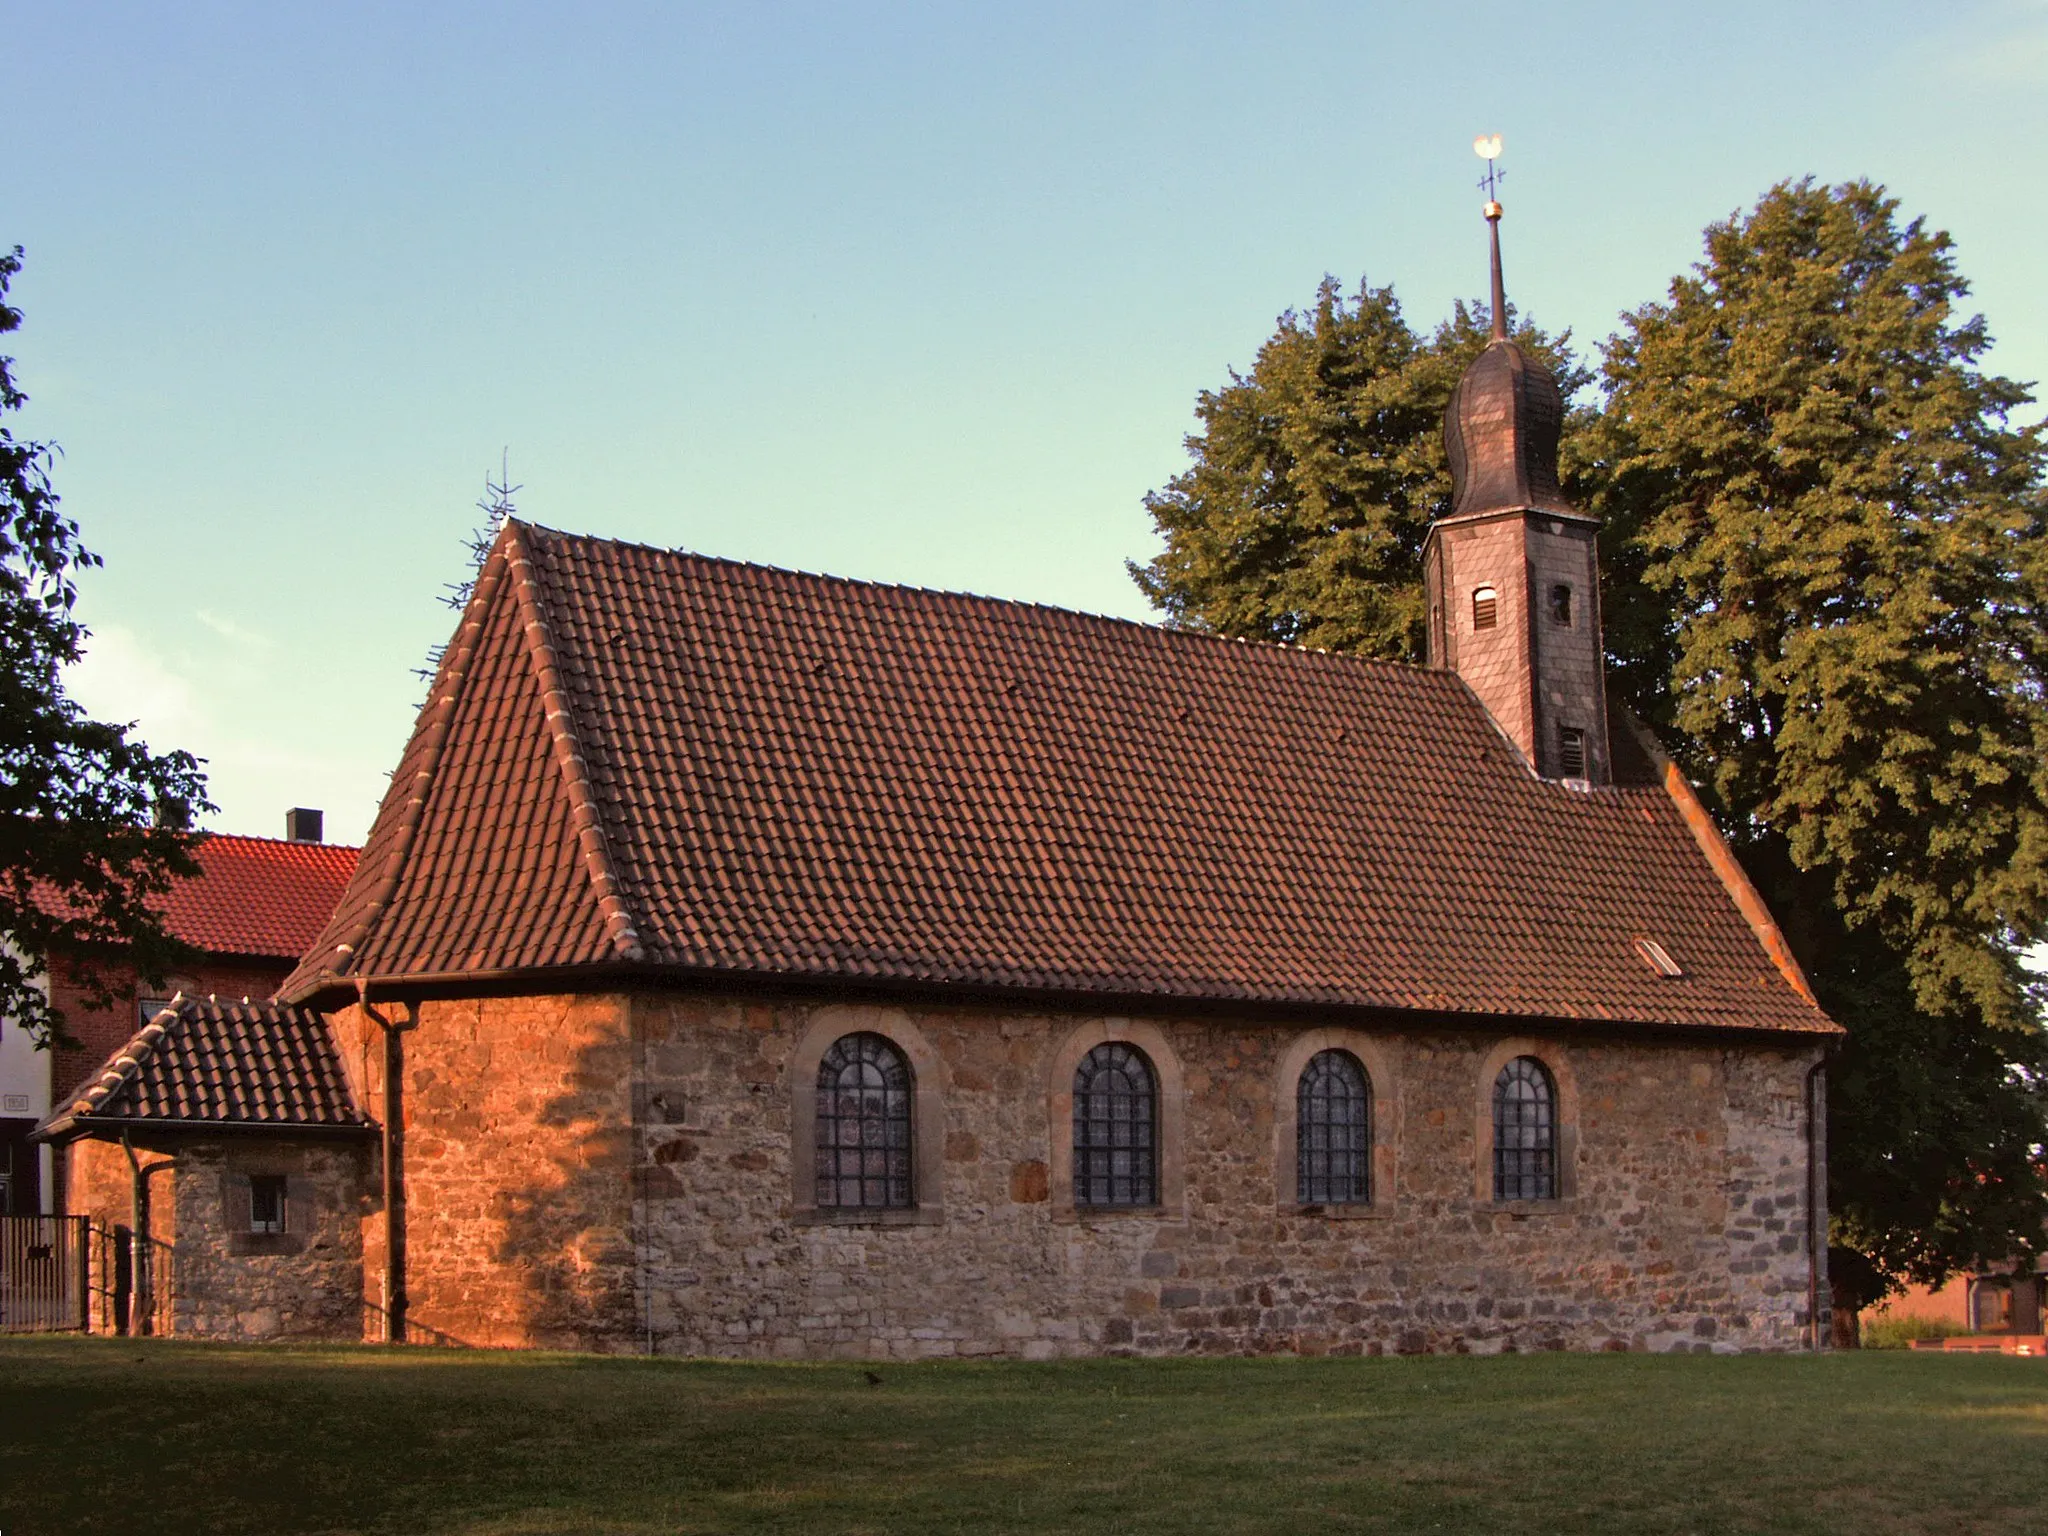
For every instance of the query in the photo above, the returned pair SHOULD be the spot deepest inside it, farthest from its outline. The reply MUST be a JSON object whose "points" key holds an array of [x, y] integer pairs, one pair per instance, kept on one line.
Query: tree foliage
{"points": [[1846, 534], [497, 506], [1317, 474], [93, 825], [1823, 554], [1839, 525]]}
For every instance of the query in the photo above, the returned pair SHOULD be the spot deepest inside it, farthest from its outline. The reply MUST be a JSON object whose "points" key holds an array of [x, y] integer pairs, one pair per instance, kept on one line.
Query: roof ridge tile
{"points": [[568, 751]]}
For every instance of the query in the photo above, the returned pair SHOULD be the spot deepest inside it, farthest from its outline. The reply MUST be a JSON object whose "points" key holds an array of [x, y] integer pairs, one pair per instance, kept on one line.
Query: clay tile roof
{"points": [[205, 1064], [258, 895], [641, 760]]}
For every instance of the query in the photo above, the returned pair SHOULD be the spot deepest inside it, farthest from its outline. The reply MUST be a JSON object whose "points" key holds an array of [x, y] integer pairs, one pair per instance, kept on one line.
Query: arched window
{"points": [[1333, 1131], [1116, 1139], [1524, 1132], [1485, 607], [863, 1132]]}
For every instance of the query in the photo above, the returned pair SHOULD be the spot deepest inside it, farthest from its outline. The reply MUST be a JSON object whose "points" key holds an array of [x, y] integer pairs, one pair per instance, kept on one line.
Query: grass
{"points": [[140, 1437]]}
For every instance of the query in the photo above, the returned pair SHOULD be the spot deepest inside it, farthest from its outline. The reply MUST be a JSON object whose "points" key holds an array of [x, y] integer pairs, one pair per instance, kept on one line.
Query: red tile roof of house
{"points": [[635, 761], [258, 895], [202, 1064]]}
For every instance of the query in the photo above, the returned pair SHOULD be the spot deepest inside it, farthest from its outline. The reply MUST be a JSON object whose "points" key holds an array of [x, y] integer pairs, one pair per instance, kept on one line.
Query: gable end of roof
{"points": [[379, 870]]}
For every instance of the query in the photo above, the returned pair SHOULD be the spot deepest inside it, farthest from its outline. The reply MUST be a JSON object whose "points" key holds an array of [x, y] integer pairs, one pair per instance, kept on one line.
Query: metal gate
{"points": [[43, 1282]]}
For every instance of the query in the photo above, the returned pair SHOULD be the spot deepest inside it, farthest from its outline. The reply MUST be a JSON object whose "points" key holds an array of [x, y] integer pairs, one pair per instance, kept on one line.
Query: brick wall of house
{"points": [[102, 1031], [619, 1173]]}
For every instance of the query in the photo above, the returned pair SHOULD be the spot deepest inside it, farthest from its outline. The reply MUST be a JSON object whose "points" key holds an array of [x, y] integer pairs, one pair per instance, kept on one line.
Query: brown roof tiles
{"points": [[203, 1064], [641, 759]]}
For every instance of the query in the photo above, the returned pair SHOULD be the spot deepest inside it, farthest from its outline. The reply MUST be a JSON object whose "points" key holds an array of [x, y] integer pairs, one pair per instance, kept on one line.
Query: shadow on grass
{"points": [[144, 1437]]}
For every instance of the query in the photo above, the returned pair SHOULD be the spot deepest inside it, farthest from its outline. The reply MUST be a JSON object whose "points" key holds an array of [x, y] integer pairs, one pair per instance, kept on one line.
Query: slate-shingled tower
{"points": [[1513, 571]]}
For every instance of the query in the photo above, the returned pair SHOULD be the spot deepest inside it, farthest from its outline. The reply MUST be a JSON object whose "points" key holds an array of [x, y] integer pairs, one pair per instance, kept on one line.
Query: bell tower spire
{"points": [[1487, 146], [1512, 568]]}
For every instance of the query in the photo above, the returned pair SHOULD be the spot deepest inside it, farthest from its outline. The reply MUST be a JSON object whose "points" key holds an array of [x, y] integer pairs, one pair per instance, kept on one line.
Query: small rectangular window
{"points": [[1571, 752], [1485, 608], [266, 1202], [1561, 605], [147, 1008]]}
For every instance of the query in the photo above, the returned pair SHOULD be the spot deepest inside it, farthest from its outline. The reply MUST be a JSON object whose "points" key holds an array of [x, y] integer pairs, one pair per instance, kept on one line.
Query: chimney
{"points": [[302, 825]]}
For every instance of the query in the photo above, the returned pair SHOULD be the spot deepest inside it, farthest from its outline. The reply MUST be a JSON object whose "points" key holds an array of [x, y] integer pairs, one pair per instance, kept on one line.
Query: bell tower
{"points": [[1512, 569]]}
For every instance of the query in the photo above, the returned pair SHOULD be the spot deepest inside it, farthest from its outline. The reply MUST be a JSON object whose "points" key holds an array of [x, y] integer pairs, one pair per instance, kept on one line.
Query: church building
{"points": [[753, 963]]}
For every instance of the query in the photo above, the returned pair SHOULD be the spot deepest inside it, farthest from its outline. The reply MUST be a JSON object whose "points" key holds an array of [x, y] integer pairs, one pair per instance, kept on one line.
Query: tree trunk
{"points": [[1846, 1328]]}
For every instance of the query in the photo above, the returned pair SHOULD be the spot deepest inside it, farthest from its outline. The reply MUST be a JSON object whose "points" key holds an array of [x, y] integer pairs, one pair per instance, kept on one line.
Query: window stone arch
{"points": [[1524, 1131], [1116, 1127], [1379, 1060], [1525, 1125], [862, 1152], [812, 1117], [1170, 1113], [1333, 1130]]}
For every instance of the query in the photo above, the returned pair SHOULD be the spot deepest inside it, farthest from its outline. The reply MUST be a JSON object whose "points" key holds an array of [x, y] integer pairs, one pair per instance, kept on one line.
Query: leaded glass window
{"points": [[863, 1127], [1116, 1135], [1333, 1131], [1524, 1132]]}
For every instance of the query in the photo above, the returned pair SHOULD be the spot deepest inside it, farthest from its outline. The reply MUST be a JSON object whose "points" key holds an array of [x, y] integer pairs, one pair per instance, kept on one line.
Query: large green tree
{"points": [[1834, 560], [1823, 556], [93, 825]]}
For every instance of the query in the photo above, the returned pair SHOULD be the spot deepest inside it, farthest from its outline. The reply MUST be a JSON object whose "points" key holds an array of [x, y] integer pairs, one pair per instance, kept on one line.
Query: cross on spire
{"points": [[1487, 148]]}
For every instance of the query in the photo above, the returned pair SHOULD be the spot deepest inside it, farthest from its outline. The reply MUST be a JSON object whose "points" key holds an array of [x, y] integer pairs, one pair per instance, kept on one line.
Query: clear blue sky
{"points": [[920, 293]]}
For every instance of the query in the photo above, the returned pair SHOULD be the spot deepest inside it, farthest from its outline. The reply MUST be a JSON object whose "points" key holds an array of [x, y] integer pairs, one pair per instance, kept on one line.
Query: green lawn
{"points": [[138, 1437]]}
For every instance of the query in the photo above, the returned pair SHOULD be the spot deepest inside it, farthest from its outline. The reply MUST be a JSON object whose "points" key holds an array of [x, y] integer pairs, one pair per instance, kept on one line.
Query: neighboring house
{"points": [[251, 911], [1989, 1301], [762, 964]]}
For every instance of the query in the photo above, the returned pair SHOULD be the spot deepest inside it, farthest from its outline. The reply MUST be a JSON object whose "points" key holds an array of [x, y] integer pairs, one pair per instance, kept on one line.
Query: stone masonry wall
{"points": [[101, 1187], [225, 1281], [622, 1174], [303, 1283], [518, 1115], [1682, 1227]]}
